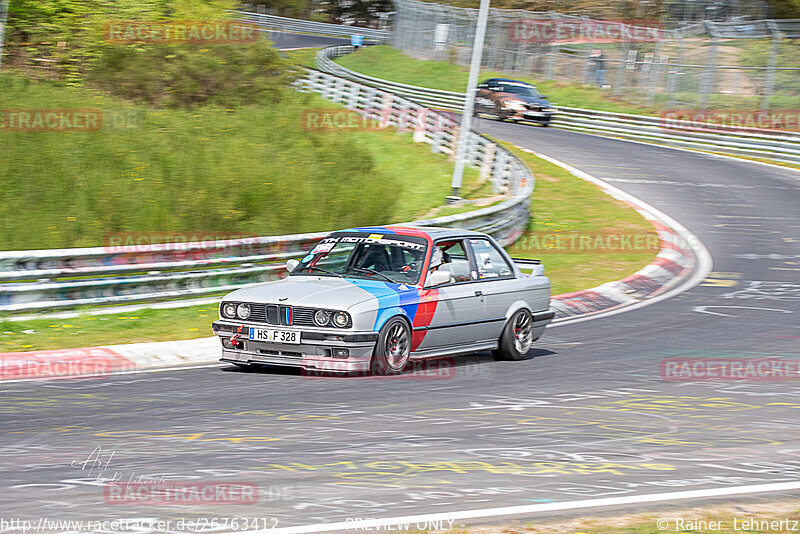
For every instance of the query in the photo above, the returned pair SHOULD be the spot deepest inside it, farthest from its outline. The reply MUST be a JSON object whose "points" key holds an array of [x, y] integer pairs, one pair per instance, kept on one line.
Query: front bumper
{"points": [[319, 349], [543, 117]]}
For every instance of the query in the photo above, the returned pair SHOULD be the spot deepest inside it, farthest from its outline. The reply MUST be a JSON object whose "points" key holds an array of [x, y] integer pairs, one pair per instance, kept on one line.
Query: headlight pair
{"points": [[515, 105], [324, 318], [231, 311]]}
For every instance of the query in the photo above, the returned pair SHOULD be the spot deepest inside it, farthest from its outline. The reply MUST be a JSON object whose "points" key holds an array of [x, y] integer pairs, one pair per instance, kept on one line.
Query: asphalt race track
{"points": [[587, 416], [287, 41]]}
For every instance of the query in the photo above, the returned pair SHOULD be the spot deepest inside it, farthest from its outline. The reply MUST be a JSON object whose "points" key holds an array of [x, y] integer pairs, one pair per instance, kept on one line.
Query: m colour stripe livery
{"points": [[416, 304], [377, 277]]}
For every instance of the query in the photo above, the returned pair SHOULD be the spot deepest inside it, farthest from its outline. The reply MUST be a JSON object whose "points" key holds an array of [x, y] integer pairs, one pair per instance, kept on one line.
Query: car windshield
{"points": [[387, 258], [524, 90]]}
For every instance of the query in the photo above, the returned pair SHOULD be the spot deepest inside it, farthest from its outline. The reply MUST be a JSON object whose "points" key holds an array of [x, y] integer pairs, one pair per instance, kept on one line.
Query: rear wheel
{"points": [[393, 348], [517, 337]]}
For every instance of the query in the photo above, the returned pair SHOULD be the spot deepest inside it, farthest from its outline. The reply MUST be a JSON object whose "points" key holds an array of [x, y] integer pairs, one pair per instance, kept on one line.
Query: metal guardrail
{"points": [[781, 146], [283, 24], [125, 273]]}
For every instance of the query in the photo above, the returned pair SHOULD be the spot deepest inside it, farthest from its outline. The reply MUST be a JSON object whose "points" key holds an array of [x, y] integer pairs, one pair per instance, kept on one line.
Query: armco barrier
{"points": [[781, 146], [282, 24], [66, 278]]}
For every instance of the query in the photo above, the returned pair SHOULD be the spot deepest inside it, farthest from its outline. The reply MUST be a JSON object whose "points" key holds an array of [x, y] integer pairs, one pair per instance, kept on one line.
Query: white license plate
{"points": [[274, 336]]}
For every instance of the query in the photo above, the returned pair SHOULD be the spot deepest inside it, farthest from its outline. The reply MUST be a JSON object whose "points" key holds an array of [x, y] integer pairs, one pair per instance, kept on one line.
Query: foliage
{"points": [[251, 170], [61, 39], [183, 75], [785, 9]]}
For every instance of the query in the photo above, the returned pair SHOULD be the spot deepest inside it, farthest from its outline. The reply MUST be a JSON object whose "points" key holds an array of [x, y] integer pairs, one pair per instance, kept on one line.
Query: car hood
{"points": [[316, 292], [527, 99]]}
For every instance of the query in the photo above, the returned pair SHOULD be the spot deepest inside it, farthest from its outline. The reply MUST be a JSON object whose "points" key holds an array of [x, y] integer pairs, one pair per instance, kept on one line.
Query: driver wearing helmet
{"points": [[439, 258]]}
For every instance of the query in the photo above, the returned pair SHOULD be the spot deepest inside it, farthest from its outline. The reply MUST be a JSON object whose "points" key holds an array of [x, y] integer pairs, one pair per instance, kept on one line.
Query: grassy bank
{"points": [[390, 64], [252, 170], [562, 205]]}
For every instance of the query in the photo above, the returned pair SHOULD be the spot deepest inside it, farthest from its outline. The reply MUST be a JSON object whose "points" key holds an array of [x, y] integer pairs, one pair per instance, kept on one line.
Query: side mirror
{"points": [[291, 264], [437, 278]]}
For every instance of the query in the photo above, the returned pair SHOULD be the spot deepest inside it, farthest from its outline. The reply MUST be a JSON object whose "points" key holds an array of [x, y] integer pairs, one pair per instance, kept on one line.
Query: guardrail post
{"points": [[486, 166], [421, 125], [387, 110]]}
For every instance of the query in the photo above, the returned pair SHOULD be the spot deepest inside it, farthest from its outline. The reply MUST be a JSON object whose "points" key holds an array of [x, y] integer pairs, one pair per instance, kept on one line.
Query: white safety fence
{"points": [[127, 273], [779, 146]]}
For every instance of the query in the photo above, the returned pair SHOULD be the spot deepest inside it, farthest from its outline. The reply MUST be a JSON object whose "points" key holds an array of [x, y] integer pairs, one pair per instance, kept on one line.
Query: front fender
{"points": [[387, 313]]}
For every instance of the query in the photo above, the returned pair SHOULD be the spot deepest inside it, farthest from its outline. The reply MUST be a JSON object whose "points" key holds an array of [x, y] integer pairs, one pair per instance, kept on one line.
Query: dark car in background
{"points": [[513, 100]]}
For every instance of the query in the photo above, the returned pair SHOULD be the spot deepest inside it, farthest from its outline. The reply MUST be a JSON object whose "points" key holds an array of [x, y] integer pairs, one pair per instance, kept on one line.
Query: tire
{"points": [[393, 349], [517, 337]]}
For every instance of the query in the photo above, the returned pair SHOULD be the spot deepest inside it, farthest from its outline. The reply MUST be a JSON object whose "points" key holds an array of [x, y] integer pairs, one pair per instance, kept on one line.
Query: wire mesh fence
{"points": [[747, 64]]}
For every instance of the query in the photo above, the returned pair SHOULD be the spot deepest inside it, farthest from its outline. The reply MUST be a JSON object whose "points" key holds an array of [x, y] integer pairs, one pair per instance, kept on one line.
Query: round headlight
{"points": [[341, 319], [229, 310], [243, 311], [322, 317]]}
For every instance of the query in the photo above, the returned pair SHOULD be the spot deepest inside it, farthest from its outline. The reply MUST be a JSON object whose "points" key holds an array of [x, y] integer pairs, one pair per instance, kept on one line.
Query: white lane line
{"points": [[413, 520], [704, 261], [690, 150], [67, 378]]}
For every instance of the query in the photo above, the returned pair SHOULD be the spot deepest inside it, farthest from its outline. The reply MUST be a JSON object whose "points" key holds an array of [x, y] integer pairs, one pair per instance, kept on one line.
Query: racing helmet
{"points": [[437, 258]]}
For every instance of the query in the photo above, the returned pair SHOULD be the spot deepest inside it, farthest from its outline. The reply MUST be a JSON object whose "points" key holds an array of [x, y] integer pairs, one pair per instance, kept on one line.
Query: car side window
{"points": [[455, 260], [491, 264]]}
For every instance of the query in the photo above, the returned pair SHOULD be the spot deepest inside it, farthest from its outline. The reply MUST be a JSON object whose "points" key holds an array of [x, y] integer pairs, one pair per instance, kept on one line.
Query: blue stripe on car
{"points": [[392, 298]]}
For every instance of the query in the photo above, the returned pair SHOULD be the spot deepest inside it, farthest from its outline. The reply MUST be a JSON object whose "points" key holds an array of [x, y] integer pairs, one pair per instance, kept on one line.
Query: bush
{"points": [[185, 75]]}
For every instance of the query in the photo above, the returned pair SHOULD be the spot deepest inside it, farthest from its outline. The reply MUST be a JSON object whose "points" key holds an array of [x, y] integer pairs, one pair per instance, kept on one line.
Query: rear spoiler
{"points": [[534, 266]]}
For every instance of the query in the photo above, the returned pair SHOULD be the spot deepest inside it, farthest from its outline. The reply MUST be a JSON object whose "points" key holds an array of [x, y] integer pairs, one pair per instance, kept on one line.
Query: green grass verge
{"points": [[303, 57], [566, 206], [95, 330], [390, 64], [253, 170], [563, 205]]}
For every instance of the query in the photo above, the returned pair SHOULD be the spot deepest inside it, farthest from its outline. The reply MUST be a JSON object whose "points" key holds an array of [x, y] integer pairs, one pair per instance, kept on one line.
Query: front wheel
{"points": [[393, 348], [517, 337]]}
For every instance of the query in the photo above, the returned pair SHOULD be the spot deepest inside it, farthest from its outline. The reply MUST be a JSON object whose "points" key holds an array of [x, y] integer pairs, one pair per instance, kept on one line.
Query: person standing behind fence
{"points": [[598, 59]]}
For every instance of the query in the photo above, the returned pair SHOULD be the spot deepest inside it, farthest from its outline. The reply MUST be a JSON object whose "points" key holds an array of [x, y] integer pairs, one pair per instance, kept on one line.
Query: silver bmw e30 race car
{"points": [[372, 299]]}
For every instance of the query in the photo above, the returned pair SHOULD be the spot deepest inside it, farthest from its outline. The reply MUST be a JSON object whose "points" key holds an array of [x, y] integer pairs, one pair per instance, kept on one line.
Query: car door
{"points": [[496, 281], [458, 304]]}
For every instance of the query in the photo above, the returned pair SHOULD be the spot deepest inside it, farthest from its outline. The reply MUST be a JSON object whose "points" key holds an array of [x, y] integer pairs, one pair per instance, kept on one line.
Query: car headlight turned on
{"points": [[341, 319], [229, 310], [243, 311], [322, 317], [516, 105]]}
